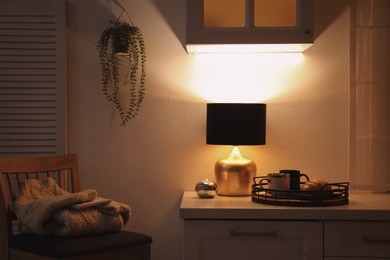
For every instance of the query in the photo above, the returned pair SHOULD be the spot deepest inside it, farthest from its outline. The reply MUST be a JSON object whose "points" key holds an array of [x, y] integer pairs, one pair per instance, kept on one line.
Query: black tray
{"points": [[337, 195]]}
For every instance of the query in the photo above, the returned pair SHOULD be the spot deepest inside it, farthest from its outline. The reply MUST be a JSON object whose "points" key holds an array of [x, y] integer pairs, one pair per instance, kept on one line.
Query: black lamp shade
{"points": [[236, 124]]}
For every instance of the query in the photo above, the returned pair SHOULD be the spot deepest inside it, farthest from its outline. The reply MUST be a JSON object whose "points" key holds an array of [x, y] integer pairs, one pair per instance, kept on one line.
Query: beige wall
{"points": [[162, 152]]}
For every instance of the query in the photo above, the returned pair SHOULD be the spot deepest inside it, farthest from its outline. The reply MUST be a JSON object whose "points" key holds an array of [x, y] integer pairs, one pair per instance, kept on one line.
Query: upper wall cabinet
{"points": [[249, 25]]}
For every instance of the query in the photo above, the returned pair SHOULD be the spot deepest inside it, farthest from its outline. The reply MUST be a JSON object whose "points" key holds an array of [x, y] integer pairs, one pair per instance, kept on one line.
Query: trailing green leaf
{"points": [[122, 38]]}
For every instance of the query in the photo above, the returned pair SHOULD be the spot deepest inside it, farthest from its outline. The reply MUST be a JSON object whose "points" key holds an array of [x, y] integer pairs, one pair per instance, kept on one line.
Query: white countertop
{"points": [[363, 205]]}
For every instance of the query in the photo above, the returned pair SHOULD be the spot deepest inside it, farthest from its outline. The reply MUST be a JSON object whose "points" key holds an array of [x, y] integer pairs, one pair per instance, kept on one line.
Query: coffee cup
{"points": [[295, 178], [276, 181]]}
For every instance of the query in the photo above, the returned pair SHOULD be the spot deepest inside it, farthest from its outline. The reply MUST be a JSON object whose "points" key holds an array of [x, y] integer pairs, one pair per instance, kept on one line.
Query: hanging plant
{"points": [[123, 40]]}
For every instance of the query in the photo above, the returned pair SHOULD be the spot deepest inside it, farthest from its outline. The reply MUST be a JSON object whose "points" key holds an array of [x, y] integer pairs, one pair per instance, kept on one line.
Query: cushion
{"points": [[66, 247]]}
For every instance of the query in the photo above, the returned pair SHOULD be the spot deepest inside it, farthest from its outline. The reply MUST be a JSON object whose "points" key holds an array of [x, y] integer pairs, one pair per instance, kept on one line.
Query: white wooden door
{"points": [[32, 77]]}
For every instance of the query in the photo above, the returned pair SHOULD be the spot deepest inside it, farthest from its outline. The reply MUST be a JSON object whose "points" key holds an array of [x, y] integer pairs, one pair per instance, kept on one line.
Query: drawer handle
{"points": [[234, 233], [376, 240]]}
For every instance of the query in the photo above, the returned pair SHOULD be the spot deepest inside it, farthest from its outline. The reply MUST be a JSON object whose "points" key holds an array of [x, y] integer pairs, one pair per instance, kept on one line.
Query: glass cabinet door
{"points": [[224, 13], [275, 13], [236, 13]]}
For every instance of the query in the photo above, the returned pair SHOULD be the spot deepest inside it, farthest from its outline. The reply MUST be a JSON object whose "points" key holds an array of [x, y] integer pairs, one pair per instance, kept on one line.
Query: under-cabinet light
{"points": [[246, 48]]}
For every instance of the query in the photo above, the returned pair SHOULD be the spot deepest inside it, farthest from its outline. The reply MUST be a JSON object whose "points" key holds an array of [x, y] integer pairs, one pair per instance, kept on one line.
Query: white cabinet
{"points": [[233, 23], [222, 239], [237, 228], [357, 239]]}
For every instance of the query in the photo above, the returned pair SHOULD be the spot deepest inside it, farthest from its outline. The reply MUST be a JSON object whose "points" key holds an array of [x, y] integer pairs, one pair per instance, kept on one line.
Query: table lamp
{"points": [[235, 124]]}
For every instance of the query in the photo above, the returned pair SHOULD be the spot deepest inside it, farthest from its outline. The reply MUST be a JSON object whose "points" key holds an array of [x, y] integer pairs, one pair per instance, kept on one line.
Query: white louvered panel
{"points": [[32, 78]]}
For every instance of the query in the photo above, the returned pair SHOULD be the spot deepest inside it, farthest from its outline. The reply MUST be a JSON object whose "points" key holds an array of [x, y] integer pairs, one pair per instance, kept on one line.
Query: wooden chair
{"points": [[63, 168]]}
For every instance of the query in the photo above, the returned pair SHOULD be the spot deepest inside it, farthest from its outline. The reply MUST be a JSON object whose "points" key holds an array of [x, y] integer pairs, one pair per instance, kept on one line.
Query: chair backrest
{"points": [[13, 171]]}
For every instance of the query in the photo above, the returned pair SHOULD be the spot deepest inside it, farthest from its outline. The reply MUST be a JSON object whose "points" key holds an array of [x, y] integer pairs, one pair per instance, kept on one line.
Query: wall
{"points": [[162, 152], [370, 94]]}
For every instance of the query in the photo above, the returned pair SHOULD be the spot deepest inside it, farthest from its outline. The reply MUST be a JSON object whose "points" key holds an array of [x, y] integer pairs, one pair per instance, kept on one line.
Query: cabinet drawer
{"points": [[229, 239], [353, 258], [357, 239]]}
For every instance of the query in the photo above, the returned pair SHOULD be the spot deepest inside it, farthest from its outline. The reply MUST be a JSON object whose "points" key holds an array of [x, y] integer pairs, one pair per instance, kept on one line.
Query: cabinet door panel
{"points": [[353, 258], [357, 239], [209, 239]]}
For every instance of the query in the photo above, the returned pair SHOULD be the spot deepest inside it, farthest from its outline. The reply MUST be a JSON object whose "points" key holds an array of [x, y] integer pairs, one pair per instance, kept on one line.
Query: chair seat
{"points": [[67, 247]]}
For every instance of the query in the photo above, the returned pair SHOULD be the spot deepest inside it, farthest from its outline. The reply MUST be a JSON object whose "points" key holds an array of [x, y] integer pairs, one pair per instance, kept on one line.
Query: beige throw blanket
{"points": [[43, 208]]}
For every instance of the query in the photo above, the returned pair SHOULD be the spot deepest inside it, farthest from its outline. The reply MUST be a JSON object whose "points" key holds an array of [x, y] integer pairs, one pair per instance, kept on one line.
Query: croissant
{"points": [[316, 185]]}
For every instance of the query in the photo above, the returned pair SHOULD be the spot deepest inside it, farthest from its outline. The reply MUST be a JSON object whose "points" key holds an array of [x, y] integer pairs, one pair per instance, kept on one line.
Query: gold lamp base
{"points": [[234, 175]]}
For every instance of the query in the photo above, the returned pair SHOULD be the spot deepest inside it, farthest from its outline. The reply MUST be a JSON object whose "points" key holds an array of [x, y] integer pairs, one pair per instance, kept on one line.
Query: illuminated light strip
{"points": [[247, 48]]}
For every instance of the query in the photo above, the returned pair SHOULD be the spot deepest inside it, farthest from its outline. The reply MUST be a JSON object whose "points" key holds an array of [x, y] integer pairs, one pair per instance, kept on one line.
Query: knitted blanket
{"points": [[45, 209]]}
